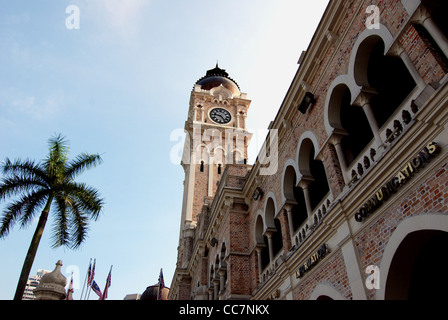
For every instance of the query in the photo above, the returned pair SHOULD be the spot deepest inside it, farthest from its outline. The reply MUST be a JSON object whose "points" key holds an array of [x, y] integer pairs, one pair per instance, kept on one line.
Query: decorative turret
{"points": [[217, 77], [52, 285]]}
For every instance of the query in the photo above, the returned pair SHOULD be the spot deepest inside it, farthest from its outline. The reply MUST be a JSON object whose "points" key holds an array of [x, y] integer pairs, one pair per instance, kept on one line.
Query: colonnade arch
{"points": [[414, 245]]}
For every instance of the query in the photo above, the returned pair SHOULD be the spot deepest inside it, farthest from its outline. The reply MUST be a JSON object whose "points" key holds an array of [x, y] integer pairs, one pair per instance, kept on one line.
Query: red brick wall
{"points": [[429, 197], [238, 228], [332, 272], [424, 58]]}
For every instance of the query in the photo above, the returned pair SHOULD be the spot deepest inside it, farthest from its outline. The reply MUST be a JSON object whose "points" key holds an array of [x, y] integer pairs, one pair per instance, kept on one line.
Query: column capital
{"points": [[397, 49], [364, 97], [337, 135], [305, 182]]}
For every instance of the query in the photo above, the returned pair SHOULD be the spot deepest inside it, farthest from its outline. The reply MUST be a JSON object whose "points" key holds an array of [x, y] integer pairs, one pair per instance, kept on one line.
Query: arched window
{"points": [[319, 187], [438, 9], [277, 239], [262, 241], [392, 81], [354, 121], [295, 195], [314, 178], [276, 233]]}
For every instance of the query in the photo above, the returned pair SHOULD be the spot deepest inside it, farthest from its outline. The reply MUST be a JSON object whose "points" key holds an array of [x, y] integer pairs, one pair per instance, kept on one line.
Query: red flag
{"points": [[70, 290], [108, 283], [96, 289], [91, 274]]}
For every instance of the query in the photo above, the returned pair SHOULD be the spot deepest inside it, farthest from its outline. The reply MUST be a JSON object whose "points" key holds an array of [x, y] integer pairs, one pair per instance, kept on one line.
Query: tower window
{"points": [[219, 168], [202, 166]]}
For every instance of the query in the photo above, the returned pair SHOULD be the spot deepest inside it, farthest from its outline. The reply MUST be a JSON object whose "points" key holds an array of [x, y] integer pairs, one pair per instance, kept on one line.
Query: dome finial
{"points": [[217, 64]]}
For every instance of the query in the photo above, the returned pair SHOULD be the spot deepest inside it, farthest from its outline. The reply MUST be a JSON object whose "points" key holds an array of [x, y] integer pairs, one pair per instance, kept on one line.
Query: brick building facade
{"points": [[348, 198]]}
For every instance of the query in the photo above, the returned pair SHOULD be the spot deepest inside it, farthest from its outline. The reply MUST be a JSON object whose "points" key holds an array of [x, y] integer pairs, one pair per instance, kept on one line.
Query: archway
{"points": [[294, 195], [262, 242], [418, 268], [313, 171], [270, 212]]}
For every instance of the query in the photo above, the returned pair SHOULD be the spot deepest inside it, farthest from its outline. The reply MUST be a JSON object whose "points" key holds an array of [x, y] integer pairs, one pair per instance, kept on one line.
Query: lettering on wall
{"points": [[392, 186], [312, 261]]}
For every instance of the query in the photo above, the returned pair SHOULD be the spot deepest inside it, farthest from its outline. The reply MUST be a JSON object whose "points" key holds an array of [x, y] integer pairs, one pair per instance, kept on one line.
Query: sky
{"points": [[114, 77]]}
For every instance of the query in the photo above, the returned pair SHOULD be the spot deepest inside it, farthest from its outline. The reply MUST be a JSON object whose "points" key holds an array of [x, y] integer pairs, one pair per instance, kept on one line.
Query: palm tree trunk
{"points": [[29, 260]]}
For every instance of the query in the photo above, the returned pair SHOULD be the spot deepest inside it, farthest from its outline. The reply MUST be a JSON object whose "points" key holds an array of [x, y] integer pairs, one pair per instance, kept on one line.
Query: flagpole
{"points": [[88, 293], [91, 280], [85, 280], [106, 287], [70, 289]]}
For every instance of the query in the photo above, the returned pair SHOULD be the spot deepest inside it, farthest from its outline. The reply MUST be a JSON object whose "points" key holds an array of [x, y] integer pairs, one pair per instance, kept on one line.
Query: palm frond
{"points": [[81, 163], [26, 168], [88, 199], [19, 184], [54, 163], [78, 226], [23, 209], [34, 202], [61, 236]]}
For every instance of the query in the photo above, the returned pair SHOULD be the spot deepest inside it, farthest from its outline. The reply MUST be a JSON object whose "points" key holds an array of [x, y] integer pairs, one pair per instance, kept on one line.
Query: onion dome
{"points": [[52, 285], [152, 292], [217, 77]]}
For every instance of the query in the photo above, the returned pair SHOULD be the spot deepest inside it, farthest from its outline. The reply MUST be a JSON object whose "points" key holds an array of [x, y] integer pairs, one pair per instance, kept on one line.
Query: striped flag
{"points": [[108, 283], [161, 285], [91, 274], [70, 290], [96, 289]]}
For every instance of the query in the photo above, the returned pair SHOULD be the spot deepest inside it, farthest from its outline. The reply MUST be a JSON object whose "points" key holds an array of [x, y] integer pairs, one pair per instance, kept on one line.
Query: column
{"points": [[304, 183], [222, 279], [363, 101], [260, 265], [373, 124], [341, 157], [271, 247], [437, 34], [210, 293], [215, 289], [288, 209], [285, 232], [404, 56]]}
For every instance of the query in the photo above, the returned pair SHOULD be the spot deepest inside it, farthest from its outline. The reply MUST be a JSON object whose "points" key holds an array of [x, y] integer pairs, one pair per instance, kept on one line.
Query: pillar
{"points": [[399, 51], [271, 246], [437, 34], [288, 209], [260, 264], [304, 184], [363, 101]]}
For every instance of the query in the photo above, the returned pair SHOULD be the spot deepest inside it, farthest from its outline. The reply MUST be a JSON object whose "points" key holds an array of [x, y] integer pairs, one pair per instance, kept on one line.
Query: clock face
{"points": [[220, 116]]}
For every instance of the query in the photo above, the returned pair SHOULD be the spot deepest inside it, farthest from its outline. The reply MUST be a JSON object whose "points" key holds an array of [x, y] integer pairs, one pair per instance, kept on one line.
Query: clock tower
{"points": [[216, 135]]}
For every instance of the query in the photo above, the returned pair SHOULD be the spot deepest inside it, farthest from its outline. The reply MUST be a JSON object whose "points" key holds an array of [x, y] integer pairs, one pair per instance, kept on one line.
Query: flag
{"points": [[161, 285], [91, 274], [108, 283], [70, 290], [96, 289]]}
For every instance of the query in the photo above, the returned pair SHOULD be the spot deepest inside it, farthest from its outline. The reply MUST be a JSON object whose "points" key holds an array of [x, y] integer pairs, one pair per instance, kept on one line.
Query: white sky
{"points": [[119, 86]]}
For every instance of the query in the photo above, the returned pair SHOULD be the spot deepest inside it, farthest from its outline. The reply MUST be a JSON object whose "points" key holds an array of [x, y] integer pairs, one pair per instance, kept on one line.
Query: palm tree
{"points": [[34, 186]]}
